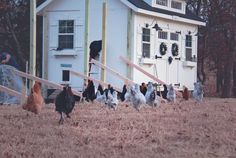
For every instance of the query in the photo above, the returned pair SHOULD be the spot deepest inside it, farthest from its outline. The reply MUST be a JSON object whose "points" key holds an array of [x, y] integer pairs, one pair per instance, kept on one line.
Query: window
{"points": [[176, 5], [188, 41], [146, 42], [65, 75], [188, 54], [188, 45], [174, 36], [66, 34], [162, 35], [161, 2]]}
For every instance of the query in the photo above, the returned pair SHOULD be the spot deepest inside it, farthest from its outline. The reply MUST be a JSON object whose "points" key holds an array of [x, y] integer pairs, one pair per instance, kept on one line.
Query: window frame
{"points": [[171, 36], [162, 3], [146, 43], [189, 47], [64, 79], [161, 33], [181, 4], [60, 34]]}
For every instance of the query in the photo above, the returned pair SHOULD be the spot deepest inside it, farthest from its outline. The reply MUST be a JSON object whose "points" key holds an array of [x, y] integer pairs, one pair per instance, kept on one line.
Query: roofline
{"points": [[40, 8], [161, 15]]}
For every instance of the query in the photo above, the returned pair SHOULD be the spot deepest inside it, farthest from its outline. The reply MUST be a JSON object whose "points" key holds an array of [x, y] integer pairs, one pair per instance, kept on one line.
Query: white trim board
{"points": [[165, 16]]}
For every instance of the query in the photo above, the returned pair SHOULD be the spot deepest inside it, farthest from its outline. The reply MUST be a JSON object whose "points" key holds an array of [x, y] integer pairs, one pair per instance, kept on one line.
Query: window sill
{"points": [[189, 64], [147, 61], [65, 53]]}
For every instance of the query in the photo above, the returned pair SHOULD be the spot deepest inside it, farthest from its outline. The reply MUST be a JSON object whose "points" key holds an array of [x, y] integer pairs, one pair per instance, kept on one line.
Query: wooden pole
{"points": [[45, 52], [141, 70], [26, 80], [94, 80], [11, 92], [125, 79], [46, 82], [129, 41], [32, 39], [104, 39], [86, 37]]}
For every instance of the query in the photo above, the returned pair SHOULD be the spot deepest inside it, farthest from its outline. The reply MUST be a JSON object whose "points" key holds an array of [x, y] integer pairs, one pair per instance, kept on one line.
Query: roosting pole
{"points": [[44, 81], [32, 39], [94, 80], [125, 79], [11, 92]]}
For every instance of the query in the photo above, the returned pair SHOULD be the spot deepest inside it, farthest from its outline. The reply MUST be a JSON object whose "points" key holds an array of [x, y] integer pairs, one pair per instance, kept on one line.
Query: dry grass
{"points": [[184, 130]]}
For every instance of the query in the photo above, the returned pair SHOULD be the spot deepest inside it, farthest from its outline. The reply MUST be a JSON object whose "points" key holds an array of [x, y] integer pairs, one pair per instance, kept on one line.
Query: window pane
{"points": [[174, 36], [146, 50], [188, 42], [66, 41], [188, 54], [146, 35], [66, 26], [65, 75], [161, 2], [162, 35], [176, 5]]}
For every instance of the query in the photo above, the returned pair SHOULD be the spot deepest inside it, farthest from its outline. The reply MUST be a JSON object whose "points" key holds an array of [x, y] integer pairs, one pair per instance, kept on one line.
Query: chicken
{"points": [[100, 98], [65, 103], [128, 94], [151, 96], [35, 101], [100, 89], [171, 94], [122, 96], [164, 93], [137, 98], [143, 88], [89, 92], [185, 93], [112, 100], [198, 92], [108, 89], [150, 90]]}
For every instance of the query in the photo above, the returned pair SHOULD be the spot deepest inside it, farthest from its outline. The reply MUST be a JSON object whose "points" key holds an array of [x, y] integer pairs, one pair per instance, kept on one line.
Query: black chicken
{"points": [[122, 95], [65, 103]]}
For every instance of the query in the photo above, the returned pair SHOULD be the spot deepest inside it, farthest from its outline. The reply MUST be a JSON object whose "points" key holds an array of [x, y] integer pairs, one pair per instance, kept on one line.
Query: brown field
{"points": [[183, 130]]}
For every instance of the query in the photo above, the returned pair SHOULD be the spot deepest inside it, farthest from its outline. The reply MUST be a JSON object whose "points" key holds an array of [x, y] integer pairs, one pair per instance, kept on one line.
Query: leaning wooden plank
{"points": [[145, 72], [141, 70], [46, 82], [11, 92], [94, 80], [126, 80]]}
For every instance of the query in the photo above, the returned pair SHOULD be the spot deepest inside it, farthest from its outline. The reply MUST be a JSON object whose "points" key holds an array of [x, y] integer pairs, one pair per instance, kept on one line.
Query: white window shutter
{"points": [[53, 34], [152, 42]]}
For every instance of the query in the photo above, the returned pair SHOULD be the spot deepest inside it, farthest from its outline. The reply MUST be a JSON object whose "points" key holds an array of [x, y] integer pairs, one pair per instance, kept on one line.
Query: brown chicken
{"points": [[35, 101], [185, 93]]}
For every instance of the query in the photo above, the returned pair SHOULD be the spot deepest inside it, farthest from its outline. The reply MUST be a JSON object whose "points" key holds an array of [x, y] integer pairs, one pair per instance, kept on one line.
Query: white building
{"points": [[129, 34]]}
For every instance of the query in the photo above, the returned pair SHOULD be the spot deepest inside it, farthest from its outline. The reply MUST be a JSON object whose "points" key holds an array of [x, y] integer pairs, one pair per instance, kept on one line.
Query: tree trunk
{"points": [[19, 52], [219, 80], [228, 79], [234, 78]]}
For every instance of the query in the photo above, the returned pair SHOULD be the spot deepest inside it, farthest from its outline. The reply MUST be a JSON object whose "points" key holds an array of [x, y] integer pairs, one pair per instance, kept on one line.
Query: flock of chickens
{"points": [[137, 95]]}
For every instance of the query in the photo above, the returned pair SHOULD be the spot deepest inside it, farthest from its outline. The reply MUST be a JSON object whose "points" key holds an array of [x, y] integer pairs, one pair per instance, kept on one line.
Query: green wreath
{"points": [[175, 49], [163, 48]]}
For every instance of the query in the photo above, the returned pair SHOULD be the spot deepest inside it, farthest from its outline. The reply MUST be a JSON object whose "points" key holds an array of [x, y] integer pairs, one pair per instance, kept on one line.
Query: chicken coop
{"points": [[158, 35]]}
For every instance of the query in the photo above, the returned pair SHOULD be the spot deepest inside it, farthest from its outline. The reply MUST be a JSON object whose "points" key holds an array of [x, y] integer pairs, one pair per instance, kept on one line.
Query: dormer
{"points": [[170, 5]]}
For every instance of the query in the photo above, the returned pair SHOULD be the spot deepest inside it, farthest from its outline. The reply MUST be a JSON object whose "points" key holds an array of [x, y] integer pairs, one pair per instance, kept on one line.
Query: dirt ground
{"points": [[182, 130]]}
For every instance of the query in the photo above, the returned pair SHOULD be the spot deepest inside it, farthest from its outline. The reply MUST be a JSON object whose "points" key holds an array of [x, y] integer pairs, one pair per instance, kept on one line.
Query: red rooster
{"points": [[35, 101]]}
